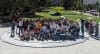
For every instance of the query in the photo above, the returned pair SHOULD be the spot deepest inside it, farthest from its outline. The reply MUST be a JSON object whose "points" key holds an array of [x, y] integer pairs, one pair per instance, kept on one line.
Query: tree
{"points": [[24, 5], [76, 4], [6, 6], [68, 4]]}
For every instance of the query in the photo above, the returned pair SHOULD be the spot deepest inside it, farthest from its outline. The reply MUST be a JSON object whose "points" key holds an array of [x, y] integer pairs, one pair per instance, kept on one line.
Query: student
{"points": [[36, 33], [48, 35], [32, 34], [13, 28], [17, 27], [22, 36], [25, 24], [82, 26], [87, 25], [77, 30], [43, 33], [94, 26], [97, 30], [73, 31], [52, 26], [20, 26], [26, 35], [38, 25], [91, 27]]}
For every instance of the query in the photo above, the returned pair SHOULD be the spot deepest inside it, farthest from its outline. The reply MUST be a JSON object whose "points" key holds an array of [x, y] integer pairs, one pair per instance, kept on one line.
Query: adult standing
{"points": [[77, 30], [18, 17], [12, 28], [82, 27], [97, 30], [20, 26], [94, 27]]}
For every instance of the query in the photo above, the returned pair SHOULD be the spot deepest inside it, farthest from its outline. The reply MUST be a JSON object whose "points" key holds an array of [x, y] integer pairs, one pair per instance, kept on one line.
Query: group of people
{"points": [[49, 29], [92, 27]]}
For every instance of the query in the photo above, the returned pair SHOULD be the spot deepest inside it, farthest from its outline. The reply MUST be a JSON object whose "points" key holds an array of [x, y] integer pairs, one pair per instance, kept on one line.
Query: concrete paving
{"points": [[91, 46], [5, 37]]}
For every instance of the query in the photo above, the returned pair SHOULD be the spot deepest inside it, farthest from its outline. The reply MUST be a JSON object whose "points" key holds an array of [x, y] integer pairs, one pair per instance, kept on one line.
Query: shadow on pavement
{"points": [[3, 25]]}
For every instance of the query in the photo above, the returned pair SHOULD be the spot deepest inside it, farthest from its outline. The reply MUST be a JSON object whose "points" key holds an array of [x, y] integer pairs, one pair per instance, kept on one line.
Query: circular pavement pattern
{"points": [[5, 37]]}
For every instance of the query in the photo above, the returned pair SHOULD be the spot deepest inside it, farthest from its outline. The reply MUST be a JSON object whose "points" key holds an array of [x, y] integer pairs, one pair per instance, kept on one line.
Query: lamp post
{"points": [[81, 1]]}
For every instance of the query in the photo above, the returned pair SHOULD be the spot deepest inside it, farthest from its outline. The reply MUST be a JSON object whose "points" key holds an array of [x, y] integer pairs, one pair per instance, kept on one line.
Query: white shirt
{"points": [[53, 26], [20, 23], [66, 27], [44, 28]]}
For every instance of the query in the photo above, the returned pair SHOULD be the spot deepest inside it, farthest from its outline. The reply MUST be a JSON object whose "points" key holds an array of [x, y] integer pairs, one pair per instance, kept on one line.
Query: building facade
{"points": [[84, 1], [90, 1]]}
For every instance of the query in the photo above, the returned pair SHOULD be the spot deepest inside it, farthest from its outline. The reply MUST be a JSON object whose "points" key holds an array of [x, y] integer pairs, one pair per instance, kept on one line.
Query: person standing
{"points": [[94, 27], [17, 26], [13, 28], [97, 30], [20, 26], [82, 27], [73, 31], [77, 30]]}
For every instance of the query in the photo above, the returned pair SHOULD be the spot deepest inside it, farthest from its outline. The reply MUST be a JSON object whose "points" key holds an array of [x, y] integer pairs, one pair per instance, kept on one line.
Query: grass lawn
{"points": [[66, 13], [97, 19]]}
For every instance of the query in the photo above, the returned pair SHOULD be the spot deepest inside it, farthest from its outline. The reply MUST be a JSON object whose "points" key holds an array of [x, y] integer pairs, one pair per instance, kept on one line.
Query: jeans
{"points": [[20, 30], [12, 33]]}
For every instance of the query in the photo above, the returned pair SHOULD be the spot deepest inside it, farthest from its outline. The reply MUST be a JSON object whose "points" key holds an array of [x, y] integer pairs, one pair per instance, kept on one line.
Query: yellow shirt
{"points": [[39, 25]]}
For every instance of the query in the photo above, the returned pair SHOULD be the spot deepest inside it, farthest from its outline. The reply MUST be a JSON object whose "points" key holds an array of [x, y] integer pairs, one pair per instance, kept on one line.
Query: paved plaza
{"points": [[5, 37], [91, 46]]}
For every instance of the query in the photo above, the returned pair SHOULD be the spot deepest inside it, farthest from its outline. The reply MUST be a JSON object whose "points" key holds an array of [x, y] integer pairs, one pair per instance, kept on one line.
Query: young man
{"points": [[82, 26], [77, 30], [20, 26], [43, 32], [13, 28], [53, 27]]}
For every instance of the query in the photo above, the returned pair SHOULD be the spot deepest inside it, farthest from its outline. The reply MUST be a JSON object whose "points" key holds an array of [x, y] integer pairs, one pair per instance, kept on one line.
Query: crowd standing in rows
{"points": [[48, 29]]}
